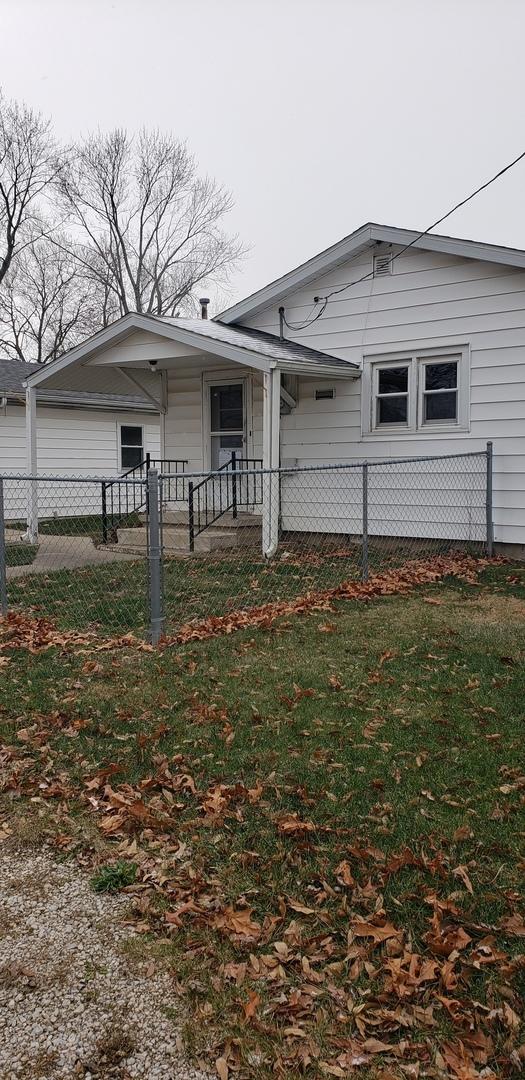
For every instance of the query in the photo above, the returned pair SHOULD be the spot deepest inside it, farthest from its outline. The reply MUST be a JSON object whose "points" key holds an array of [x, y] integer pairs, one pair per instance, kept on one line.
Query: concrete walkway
{"points": [[65, 553]]}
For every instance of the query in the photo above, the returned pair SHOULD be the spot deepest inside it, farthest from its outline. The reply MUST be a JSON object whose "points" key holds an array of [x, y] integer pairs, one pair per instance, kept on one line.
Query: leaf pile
{"points": [[412, 574], [37, 634]]}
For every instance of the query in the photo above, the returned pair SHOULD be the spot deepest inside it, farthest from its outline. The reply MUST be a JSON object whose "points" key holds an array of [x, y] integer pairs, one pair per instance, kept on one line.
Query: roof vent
{"points": [[382, 265]]}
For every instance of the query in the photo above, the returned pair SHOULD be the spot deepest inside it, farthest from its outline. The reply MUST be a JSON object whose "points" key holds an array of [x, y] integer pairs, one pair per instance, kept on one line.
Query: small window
{"points": [[440, 392], [382, 265], [392, 395], [324, 395], [131, 446]]}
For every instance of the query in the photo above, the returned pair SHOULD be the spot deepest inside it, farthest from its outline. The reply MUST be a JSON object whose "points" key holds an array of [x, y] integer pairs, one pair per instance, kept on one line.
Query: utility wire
{"points": [[325, 300], [294, 326]]}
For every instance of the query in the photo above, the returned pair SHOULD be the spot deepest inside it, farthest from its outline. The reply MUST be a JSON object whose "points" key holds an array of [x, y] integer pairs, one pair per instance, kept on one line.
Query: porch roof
{"points": [[284, 352], [254, 348]]}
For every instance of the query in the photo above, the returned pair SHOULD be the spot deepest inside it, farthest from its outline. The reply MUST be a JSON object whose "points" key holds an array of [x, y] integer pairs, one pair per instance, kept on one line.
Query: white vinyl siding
{"points": [[70, 442], [431, 301], [185, 437]]}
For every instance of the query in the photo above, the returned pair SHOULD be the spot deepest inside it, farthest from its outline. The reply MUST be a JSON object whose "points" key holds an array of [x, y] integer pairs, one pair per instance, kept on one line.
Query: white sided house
{"points": [[77, 433], [416, 353]]}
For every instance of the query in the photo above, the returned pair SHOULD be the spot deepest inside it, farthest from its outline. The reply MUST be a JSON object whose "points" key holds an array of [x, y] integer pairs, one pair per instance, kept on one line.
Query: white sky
{"points": [[318, 115]]}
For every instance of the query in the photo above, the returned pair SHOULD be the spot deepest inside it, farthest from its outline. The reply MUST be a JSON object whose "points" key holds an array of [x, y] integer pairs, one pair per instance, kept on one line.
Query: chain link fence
{"points": [[152, 553]]}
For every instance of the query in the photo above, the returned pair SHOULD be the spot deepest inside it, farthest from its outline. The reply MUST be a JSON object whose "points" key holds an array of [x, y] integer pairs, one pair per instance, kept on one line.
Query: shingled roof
{"points": [[269, 345], [13, 374]]}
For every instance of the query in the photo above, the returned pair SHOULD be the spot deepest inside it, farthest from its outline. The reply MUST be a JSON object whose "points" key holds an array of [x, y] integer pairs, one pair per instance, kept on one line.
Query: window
{"points": [[131, 446], [440, 392], [392, 395], [227, 422], [418, 392]]}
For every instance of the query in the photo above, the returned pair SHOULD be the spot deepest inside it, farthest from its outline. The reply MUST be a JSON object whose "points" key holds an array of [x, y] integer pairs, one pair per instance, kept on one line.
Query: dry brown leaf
{"points": [[291, 824], [514, 924], [237, 921], [344, 873], [221, 1066], [361, 928], [250, 1006]]}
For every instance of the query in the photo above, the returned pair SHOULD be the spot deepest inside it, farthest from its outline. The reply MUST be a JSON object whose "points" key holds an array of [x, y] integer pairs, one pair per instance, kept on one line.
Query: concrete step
{"points": [[176, 541], [227, 521]]}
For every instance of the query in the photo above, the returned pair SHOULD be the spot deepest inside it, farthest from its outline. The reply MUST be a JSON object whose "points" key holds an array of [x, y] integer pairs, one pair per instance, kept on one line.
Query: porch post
{"points": [[32, 464], [271, 486]]}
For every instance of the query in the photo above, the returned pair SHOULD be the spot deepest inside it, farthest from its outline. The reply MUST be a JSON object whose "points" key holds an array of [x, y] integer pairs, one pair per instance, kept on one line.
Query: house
{"points": [[78, 433], [418, 351]]}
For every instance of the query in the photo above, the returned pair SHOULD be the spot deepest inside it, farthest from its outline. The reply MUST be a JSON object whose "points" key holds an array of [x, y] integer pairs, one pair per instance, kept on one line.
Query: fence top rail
{"points": [[286, 469], [127, 481]]}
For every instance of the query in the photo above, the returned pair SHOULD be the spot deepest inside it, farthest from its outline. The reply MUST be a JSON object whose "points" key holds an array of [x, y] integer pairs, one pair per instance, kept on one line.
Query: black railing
{"points": [[174, 483], [123, 497], [226, 489]]}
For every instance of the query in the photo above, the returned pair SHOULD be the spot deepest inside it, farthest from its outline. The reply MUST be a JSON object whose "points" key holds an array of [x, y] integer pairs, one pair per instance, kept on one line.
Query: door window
{"points": [[227, 422]]}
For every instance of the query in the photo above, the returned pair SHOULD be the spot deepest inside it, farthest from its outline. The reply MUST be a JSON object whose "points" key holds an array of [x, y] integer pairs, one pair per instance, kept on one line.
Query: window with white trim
{"points": [[418, 392], [131, 445]]}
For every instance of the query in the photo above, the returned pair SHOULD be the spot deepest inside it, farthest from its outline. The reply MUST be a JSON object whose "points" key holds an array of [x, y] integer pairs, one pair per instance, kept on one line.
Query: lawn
{"points": [[114, 598], [20, 554], [326, 820], [77, 525]]}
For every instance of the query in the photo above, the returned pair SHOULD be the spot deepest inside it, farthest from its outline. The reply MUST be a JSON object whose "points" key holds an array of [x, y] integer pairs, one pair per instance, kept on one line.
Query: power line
{"points": [[325, 300], [308, 322]]}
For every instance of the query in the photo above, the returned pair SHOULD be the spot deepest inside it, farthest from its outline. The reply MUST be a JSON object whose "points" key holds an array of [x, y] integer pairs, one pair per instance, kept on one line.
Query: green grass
{"points": [[20, 554], [114, 598], [77, 525], [114, 876], [387, 726]]}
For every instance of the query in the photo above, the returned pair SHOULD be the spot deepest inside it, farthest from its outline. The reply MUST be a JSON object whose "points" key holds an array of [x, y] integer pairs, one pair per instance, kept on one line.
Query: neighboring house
{"points": [[426, 355], [78, 433]]}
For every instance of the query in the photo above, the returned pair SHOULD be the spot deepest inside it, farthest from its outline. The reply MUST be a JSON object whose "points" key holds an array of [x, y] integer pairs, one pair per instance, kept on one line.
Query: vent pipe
{"points": [[204, 301]]}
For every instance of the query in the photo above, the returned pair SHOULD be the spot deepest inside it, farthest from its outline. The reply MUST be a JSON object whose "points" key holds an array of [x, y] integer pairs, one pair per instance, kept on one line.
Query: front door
{"points": [[227, 422]]}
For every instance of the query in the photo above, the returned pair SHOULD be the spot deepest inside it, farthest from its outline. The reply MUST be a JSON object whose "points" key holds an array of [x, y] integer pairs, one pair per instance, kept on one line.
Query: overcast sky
{"points": [[318, 115]]}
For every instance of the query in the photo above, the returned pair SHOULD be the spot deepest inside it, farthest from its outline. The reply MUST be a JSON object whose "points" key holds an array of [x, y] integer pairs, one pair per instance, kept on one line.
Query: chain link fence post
{"points": [[3, 554], [154, 557], [364, 552], [488, 492]]}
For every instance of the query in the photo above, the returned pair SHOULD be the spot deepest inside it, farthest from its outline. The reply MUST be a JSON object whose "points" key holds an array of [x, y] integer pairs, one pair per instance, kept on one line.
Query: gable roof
{"points": [[350, 246], [239, 344], [14, 373]]}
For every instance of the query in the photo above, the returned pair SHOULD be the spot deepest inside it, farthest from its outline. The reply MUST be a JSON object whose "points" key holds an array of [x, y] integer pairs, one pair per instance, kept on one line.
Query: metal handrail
{"points": [[126, 494], [199, 500]]}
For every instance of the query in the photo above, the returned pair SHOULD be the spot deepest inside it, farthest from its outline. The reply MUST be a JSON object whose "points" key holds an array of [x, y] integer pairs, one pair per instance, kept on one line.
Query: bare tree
{"points": [[47, 304], [149, 229], [29, 163]]}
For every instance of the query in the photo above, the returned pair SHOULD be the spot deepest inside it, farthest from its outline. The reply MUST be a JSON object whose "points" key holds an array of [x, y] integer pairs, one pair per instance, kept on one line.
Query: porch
{"points": [[220, 392]]}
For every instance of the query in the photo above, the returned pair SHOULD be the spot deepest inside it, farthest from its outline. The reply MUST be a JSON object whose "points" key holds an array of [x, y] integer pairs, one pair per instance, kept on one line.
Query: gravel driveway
{"points": [[71, 1003]]}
